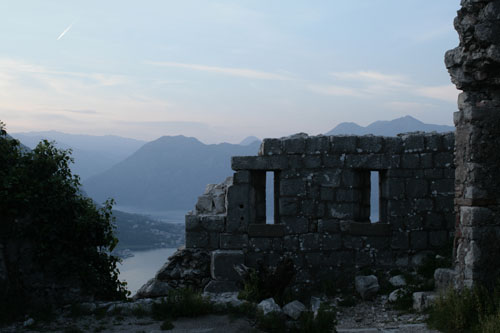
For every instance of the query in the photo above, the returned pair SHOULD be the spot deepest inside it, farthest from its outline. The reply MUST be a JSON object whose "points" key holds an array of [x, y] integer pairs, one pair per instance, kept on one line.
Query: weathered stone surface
{"points": [[367, 286], [398, 281], [268, 305], [423, 300], [395, 295], [222, 265], [294, 309], [444, 278], [153, 288]]}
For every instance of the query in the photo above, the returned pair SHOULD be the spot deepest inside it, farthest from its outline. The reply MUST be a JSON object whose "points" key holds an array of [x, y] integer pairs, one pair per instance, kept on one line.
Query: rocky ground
{"points": [[364, 317]]}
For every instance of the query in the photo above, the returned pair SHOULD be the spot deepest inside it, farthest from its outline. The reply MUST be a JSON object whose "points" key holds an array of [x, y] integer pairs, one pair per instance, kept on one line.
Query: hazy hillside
{"points": [[168, 173], [249, 140], [389, 127], [92, 154]]}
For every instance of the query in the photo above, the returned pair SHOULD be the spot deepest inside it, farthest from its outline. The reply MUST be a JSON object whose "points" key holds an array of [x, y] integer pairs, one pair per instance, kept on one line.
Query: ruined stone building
{"points": [[322, 206]]}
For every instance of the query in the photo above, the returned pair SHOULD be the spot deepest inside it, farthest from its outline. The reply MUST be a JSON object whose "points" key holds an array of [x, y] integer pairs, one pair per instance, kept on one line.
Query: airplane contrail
{"points": [[65, 31]]}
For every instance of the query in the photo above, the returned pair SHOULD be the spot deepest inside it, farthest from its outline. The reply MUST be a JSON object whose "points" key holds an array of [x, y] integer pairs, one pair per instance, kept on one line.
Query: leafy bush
{"points": [[69, 238], [324, 322], [468, 310]]}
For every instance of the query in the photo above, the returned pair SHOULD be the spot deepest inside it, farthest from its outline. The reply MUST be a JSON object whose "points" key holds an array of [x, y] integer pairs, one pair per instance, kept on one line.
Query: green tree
{"points": [[41, 203]]}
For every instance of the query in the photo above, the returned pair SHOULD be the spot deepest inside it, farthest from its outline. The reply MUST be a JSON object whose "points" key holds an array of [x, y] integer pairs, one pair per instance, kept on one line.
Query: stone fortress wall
{"points": [[322, 206]]}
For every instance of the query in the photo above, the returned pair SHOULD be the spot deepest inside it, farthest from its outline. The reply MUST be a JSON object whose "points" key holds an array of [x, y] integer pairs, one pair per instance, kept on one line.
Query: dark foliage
{"points": [[41, 205]]}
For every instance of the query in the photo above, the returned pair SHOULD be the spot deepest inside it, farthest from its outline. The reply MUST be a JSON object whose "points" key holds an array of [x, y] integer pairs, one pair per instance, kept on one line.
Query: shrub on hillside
{"points": [[43, 209]]}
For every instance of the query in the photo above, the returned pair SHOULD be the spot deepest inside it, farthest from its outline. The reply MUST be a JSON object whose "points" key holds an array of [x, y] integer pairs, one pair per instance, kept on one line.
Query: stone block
{"points": [[343, 144], [277, 162], [442, 187], [266, 230], [400, 240], [218, 287], [213, 222], [295, 224], [270, 147], [370, 144], [369, 229], [434, 143], [330, 178], [364, 258], [233, 241], [317, 145], [348, 195], [192, 223], [444, 278], [291, 243], [295, 145], [410, 161], [345, 211], [365, 161], [379, 243], [241, 177], [475, 216], [294, 309], [436, 173], [399, 208], [328, 225], [426, 160], [196, 239], [351, 178], [416, 188], [312, 162], [422, 300], [333, 161], [423, 204], [392, 188], [213, 240], [288, 206], [449, 141], [222, 265], [269, 306], [327, 193], [434, 221], [438, 239], [331, 242], [309, 242], [413, 143], [367, 286], [260, 244], [443, 160], [292, 187], [393, 145], [295, 162], [418, 240], [204, 205], [352, 242]]}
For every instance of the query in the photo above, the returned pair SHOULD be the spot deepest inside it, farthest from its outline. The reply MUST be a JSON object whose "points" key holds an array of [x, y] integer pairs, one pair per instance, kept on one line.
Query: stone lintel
{"points": [[259, 163], [369, 229]]}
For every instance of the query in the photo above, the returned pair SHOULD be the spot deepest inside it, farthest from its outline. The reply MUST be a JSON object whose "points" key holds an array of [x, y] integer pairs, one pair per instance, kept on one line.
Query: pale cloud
{"points": [[334, 90], [233, 71], [372, 76], [447, 93], [371, 84], [436, 33], [89, 112]]}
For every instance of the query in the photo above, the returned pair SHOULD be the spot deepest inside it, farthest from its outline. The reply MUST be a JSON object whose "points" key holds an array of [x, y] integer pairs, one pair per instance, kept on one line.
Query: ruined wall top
{"points": [[475, 64]]}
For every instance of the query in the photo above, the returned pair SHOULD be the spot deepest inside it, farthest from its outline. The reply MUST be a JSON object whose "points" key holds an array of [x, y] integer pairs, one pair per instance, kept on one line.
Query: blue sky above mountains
{"points": [[222, 70]]}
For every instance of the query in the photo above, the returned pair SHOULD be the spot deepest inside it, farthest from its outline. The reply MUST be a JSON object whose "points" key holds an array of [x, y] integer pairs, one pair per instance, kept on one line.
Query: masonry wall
{"points": [[322, 205], [474, 67]]}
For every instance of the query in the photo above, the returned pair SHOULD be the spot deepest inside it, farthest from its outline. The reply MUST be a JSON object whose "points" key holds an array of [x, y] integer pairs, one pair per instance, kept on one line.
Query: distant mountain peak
{"points": [[389, 127], [249, 140]]}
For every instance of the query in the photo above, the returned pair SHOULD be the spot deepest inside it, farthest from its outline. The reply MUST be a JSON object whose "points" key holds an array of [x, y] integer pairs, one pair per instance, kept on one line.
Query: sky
{"points": [[222, 70]]}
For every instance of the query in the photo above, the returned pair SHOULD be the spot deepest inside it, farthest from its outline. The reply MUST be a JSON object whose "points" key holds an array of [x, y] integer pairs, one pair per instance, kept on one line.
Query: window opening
{"points": [[272, 188], [374, 196]]}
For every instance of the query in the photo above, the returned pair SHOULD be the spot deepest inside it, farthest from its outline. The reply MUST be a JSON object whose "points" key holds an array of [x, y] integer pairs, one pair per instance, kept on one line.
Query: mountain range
{"points": [[389, 127], [166, 174], [172, 171], [92, 154]]}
